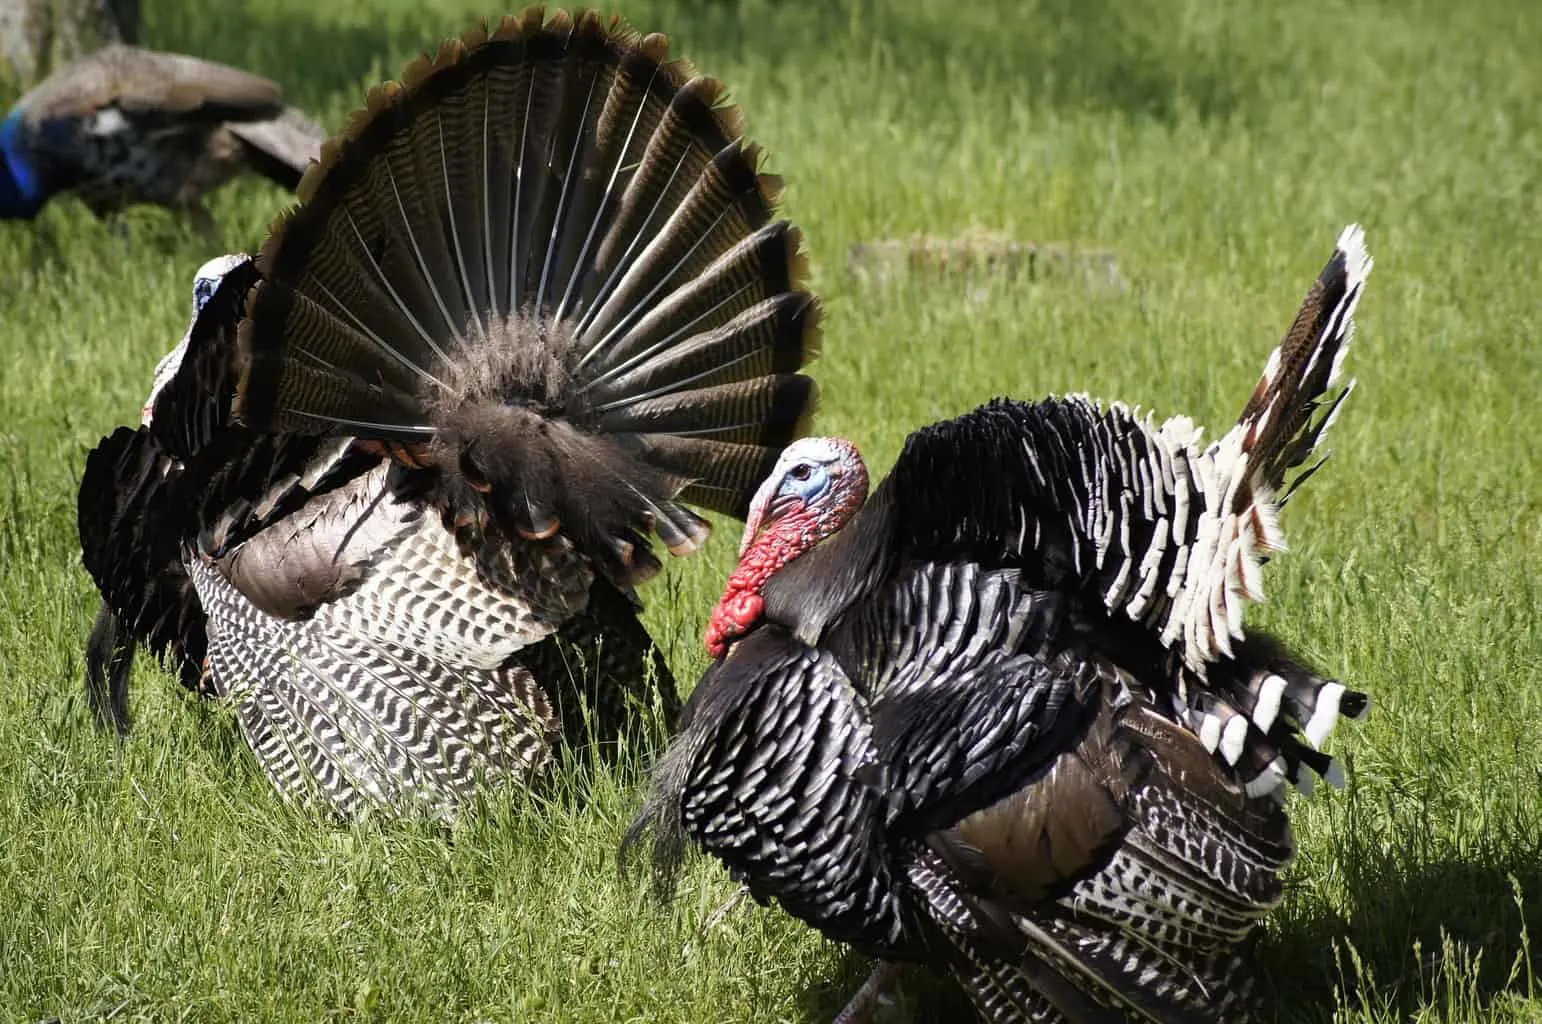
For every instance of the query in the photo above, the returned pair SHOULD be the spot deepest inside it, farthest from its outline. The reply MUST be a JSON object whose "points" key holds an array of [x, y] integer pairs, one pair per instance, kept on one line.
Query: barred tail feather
{"points": [[547, 262], [1015, 993], [1278, 426], [1146, 984]]}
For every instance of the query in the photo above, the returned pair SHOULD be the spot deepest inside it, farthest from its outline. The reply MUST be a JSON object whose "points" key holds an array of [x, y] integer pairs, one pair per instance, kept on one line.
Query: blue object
{"points": [[22, 193]]}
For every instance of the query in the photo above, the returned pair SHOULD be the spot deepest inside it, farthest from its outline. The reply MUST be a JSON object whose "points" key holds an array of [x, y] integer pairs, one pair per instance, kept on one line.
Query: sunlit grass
{"points": [[1216, 150]]}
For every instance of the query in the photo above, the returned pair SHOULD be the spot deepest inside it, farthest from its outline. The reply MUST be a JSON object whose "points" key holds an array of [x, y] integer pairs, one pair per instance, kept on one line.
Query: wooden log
{"points": [[975, 255]]}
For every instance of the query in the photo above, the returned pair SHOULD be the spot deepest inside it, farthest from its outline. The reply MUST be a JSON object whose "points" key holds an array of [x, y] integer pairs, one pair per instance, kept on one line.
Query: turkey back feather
{"points": [[547, 262], [1243, 472]]}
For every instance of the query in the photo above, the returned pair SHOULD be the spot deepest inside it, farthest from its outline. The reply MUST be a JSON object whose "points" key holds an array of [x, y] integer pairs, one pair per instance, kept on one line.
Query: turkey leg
{"points": [[873, 994]]}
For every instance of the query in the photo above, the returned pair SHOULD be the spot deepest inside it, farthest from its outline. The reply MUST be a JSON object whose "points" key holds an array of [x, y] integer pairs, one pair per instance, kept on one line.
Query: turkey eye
{"points": [[801, 471]]}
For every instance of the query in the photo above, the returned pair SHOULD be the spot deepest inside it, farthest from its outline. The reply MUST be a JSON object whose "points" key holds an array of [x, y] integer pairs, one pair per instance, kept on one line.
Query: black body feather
{"points": [[588, 317]]}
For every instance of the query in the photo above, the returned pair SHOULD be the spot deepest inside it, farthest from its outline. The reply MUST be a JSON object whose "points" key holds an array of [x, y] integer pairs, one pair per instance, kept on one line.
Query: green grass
{"points": [[1217, 149]]}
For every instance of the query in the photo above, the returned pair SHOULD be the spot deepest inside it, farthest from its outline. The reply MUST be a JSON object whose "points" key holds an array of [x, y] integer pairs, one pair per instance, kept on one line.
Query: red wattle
{"points": [[733, 616], [741, 605]]}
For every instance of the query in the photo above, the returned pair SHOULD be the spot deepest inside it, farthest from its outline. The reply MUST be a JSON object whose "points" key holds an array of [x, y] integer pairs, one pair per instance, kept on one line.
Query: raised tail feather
{"points": [[546, 263], [1246, 473], [1256, 706]]}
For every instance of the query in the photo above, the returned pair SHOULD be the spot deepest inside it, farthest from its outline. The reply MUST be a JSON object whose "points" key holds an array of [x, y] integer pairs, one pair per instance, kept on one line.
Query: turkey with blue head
{"points": [[1002, 718], [392, 494], [124, 125]]}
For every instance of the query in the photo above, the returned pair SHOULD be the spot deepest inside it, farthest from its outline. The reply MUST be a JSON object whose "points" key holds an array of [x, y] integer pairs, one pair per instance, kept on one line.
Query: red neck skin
{"points": [[741, 604]]}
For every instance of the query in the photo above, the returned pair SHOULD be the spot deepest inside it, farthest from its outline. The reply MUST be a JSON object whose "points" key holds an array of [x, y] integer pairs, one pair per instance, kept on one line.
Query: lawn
{"points": [[1216, 150]]}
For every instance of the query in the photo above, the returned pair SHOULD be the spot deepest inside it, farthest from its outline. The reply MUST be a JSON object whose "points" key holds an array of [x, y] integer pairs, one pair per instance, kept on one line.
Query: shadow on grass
{"points": [[921, 995], [1447, 932]]}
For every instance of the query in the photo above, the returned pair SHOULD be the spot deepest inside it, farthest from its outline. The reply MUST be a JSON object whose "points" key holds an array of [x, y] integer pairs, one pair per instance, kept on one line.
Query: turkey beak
{"points": [[765, 509]]}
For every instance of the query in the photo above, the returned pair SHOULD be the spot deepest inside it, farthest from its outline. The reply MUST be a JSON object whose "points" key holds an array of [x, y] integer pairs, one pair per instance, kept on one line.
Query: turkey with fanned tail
{"points": [[1002, 717], [394, 489]]}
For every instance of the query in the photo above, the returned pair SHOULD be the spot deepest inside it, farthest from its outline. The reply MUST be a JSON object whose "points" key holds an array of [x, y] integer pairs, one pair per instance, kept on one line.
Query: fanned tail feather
{"points": [[546, 264]]}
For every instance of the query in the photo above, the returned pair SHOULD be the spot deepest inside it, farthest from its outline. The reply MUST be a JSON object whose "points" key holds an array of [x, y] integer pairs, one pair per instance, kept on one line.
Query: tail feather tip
{"points": [[1268, 707], [1270, 780], [1357, 259]]}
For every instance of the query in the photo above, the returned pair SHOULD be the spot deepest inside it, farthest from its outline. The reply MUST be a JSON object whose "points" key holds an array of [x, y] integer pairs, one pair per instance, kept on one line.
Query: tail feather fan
{"points": [[552, 235]]}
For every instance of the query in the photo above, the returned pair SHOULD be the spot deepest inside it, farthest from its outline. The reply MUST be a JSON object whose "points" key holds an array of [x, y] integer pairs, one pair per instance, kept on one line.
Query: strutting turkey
{"points": [[1002, 718], [409, 459], [124, 125]]}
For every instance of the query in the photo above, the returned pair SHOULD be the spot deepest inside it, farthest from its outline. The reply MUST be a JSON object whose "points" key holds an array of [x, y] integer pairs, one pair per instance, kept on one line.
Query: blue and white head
{"points": [[205, 283], [22, 190]]}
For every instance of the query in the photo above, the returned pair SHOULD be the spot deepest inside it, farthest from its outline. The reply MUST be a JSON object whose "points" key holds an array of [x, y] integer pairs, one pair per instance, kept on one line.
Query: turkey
{"points": [[1002, 718], [124, 125], [393, 491]]}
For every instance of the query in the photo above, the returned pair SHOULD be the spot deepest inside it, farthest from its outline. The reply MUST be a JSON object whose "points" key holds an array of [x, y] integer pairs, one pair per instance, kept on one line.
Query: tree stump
{"points": [[37, 36]]}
